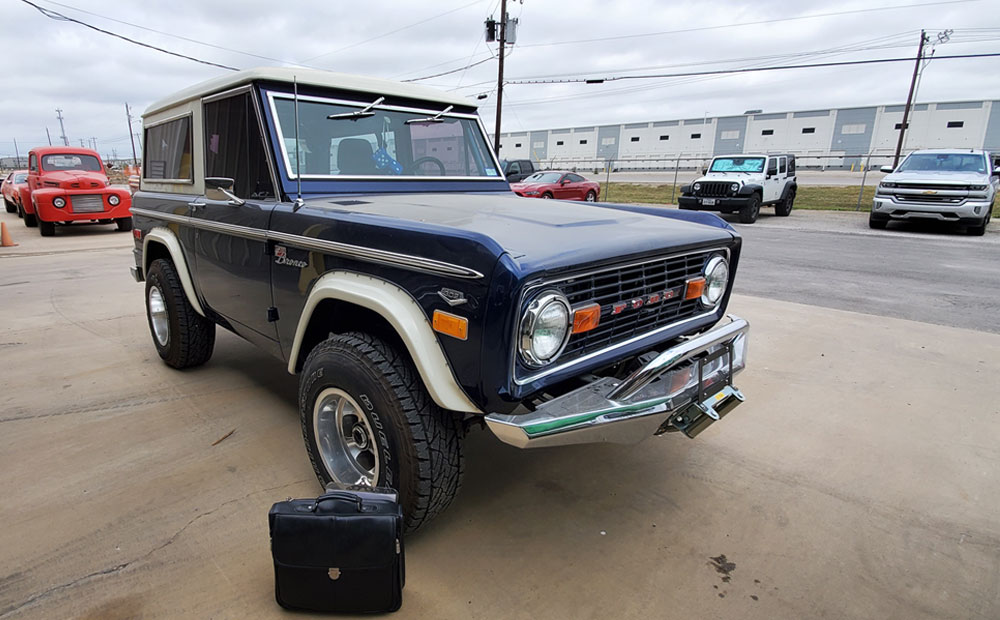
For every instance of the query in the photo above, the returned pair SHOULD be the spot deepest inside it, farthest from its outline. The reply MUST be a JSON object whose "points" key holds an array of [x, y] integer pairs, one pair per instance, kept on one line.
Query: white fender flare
{"points": [[169, 240], [405, 315]]}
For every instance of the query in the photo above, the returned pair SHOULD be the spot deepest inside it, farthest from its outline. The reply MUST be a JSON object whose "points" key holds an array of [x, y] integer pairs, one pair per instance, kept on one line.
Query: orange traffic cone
{"points": [[5, 240]]}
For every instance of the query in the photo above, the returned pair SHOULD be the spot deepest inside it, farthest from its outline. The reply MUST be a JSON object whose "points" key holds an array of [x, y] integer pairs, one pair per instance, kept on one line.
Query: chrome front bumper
{"points": [[685, 388]]}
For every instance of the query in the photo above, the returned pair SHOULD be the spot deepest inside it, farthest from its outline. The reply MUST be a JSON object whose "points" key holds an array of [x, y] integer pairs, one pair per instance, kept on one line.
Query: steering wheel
{"points": [[423, 160]]}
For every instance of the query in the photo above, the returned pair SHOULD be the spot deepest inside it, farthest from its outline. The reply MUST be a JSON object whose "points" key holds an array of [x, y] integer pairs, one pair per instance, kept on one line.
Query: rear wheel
{"points": [[48, 229], [591, 196], [124, 223], [749, 213], [367, 419], [30, 220], [784, 208], [20, 212], [182, 337]]}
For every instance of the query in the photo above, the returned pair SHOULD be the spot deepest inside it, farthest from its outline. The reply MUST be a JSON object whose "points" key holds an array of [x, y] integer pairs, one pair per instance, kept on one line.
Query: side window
{"points": [[791, 166], [575, 178], [234, 147], [515, 168], [33, 163], [167, 151], [781, 165], [772, 166]]}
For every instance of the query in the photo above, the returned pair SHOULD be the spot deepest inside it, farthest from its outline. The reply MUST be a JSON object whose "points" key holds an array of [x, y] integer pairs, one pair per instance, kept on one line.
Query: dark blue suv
{"points": [[362, 232]]}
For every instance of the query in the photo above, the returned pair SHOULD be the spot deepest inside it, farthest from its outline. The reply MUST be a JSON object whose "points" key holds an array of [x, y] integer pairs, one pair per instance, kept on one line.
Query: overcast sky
{"points": [[90, 75]]}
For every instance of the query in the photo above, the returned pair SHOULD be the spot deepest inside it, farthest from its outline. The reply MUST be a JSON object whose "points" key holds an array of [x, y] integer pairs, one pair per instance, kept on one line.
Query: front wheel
{"points": [[980, 230], [367, 419], [183, 338], [30, 220], [11, 207], [547, 196], [876, 223], [749, 213], [591, 196], [48, 229]]}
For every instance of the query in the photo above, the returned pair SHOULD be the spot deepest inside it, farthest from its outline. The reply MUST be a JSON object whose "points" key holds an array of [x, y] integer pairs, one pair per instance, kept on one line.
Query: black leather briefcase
{"points": [[341, 552]]}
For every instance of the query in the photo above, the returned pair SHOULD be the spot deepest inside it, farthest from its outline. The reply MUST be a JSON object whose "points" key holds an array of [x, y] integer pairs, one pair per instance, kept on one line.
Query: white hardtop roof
{"points": [[310, 77], [951, 151]]}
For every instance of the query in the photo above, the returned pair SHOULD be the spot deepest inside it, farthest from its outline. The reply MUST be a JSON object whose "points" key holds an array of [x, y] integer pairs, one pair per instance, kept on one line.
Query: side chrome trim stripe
{"points": [[403, 261]]}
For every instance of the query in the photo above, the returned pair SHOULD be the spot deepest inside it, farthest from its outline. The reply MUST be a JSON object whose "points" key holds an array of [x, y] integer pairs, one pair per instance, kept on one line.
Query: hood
{"points": [[937, 176], [539, 235], [74, 179]]}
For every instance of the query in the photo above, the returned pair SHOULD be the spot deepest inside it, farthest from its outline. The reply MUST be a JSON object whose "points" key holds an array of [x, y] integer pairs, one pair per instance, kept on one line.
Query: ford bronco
{"points": [[362, 232], [741, 184]]}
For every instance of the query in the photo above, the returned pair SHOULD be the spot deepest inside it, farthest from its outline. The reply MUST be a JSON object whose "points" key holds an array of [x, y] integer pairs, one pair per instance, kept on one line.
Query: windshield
{"points": [[944, 162], [361, 142], [67, 161], [20, 178], [737, 164], [543, 177]]}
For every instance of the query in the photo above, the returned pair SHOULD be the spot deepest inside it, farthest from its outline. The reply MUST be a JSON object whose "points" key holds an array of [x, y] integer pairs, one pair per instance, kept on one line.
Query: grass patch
{"points": [[819, 197]]}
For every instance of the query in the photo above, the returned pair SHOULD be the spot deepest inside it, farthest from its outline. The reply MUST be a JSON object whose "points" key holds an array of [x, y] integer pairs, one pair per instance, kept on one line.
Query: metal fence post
{"points": [[673, 188], [607, 181], [864, 176]]}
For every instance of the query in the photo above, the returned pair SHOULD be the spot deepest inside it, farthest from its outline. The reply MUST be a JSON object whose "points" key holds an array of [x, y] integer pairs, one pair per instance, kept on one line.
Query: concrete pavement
{"points": [[858, 481]]}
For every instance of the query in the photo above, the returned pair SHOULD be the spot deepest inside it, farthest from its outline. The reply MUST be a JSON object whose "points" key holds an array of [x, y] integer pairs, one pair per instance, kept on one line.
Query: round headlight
{"points": [[735, 187], [113, 200], [716, 280], [697, 187], [545, 329], [59, 202]]}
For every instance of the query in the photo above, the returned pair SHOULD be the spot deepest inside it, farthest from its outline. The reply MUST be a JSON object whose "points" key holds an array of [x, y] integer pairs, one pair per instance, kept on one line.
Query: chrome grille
{"points": [[714, 188], [625, 284], [87, 203], [936, 186], [929, 198]]}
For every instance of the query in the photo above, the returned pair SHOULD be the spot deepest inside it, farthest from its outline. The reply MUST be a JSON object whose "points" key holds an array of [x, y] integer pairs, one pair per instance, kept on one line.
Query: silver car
{"points": [[946, 185]]}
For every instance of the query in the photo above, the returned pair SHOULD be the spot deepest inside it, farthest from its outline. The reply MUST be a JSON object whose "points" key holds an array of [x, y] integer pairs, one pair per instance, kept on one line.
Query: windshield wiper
{"points": [[355, 115], [431, 119]]}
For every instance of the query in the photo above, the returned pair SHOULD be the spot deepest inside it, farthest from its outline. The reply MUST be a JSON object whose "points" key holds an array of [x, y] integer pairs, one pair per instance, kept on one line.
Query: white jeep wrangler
{"points": [[742, 183]]}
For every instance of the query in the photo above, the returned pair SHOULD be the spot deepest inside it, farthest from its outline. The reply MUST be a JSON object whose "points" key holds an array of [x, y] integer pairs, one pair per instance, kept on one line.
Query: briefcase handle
{"points": [[350, 497]]}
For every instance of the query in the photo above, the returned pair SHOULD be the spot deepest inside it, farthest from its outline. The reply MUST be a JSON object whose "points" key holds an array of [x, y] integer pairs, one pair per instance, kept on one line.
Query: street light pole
{"points": [[503, 45]]}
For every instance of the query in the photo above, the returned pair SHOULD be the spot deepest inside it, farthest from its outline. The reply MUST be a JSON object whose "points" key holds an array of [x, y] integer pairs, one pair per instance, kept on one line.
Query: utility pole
{"points": [[48, 135], [17, 153], [503, 46], [128, 115], [909, 98], [93, 142], [82, 145], [61, 127]]}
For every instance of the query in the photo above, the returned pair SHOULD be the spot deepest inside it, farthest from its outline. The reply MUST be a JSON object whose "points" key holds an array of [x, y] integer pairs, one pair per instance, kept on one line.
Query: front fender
{"points": [[751, 188], [405, 315]]}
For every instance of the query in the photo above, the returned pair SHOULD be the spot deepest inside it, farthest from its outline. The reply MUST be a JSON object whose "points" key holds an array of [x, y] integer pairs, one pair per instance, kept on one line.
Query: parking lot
{"points": [[857, 482]]}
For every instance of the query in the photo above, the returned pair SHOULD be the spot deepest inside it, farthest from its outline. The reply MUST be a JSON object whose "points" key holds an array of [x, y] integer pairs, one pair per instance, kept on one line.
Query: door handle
{"points": [[194, 203]]}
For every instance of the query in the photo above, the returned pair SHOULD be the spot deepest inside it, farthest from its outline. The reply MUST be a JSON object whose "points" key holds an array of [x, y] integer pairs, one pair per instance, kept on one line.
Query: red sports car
{"points": [[555, 184], [11, 189]]}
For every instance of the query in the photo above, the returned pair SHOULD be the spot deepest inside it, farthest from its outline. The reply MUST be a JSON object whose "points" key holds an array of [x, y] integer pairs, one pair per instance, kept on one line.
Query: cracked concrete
{"points": [[857, 482]]}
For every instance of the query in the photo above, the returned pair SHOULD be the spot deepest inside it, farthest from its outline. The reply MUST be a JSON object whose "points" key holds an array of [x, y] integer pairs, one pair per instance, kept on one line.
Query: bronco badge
{"points": [[281, 258]]}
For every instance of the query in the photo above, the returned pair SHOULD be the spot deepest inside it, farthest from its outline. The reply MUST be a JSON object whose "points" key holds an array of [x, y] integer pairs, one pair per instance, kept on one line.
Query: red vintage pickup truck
{"points": [[68, 184]]}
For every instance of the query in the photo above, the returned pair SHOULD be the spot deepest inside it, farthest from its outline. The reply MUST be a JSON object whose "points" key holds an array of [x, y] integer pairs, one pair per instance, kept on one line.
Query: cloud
{"points": [[90, 76]]}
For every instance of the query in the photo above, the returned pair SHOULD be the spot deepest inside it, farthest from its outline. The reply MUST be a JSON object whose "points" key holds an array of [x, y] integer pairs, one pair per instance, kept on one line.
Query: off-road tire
{"points": [[749, 213], [30, 220], [124, 223], [877, 224], [191, 337], [784, 208], [10, 206], [423, 441], [47, 229]]}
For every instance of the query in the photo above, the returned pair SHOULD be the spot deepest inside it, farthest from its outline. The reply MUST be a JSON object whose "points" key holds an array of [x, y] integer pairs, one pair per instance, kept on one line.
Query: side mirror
{"points": [[221, 188], [886, 169], [704, 171], [564, 182]]}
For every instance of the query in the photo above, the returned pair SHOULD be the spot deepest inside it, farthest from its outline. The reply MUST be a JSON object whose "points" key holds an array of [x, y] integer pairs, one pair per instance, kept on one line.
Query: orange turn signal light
{"points": [[695, 287], [451, 325], [586, 318]]}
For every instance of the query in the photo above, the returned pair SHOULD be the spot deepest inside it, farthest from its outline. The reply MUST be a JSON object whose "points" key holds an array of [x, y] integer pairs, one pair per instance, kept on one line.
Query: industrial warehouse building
{"points": [[841, 138]]}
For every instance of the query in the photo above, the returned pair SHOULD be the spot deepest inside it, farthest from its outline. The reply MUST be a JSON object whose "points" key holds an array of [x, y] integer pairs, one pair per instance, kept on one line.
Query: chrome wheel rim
{"points": [[158, 316], [591, 197], [345, 439]]}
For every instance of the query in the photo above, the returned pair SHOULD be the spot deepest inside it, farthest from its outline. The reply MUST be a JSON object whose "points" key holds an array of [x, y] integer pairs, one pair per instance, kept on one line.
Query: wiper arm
{"points": [[431, 119], [355, 115]]}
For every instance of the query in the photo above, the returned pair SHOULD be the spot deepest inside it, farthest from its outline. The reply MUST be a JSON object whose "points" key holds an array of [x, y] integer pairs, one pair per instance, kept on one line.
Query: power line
{"points": [[169, 34], [60, 17], [427, 77], [385, 34], [740, 25], [843, 63]]}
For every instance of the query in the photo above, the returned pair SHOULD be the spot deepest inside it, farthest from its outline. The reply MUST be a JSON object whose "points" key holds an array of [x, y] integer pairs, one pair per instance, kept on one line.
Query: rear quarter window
{"points": [[167, 151]]}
